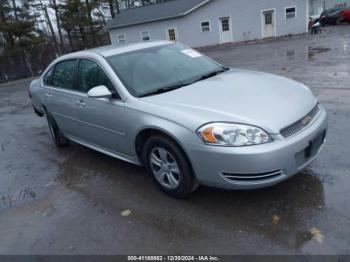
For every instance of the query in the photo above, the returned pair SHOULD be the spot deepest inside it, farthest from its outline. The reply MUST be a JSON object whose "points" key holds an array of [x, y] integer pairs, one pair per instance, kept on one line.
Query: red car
{"points": [[345, 14]]}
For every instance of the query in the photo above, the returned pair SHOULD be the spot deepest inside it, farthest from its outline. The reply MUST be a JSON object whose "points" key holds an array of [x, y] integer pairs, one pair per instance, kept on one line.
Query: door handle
{"points": [[49, 95], [80, 103]]}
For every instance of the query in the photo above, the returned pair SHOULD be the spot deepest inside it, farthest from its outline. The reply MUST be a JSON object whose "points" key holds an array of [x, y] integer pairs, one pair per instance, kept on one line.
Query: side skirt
{"points": [[105, 151]]}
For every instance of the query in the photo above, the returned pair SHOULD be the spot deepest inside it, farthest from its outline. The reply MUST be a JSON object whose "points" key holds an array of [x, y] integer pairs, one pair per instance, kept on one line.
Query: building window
{"points": [[145, 36], [225, 24], [291, 12], [172, 34], [268, 18], [340, 6], [121, 39], [205, 26]]}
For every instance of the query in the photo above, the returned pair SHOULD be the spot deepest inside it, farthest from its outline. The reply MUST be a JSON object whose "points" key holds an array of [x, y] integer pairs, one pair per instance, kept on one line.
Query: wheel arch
{"points": [[147, 132]]}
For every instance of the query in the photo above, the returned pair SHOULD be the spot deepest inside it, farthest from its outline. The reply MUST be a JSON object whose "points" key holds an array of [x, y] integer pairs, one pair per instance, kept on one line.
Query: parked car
{"points": [[186, 118], [335, 17], [346, 15]]}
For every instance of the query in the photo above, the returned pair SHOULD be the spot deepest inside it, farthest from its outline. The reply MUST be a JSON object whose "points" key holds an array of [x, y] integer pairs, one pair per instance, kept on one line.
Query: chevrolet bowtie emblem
{"points": [[307, 120]]}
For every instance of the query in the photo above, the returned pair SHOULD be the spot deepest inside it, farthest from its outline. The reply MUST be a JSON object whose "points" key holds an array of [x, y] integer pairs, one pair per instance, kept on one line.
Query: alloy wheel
{"points": [[165, 168]]}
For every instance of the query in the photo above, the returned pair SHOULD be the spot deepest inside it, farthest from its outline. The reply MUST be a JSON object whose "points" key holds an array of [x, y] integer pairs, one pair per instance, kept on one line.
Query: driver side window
{"points": [[92, 75]]}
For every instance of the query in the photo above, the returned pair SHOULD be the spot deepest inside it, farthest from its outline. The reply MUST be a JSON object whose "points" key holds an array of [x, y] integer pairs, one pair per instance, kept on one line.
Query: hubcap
{"points": [[165, 168]]}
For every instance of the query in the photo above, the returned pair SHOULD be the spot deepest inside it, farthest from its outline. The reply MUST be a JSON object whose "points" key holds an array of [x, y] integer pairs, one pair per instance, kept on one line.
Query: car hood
{"points": [[268, 101]]}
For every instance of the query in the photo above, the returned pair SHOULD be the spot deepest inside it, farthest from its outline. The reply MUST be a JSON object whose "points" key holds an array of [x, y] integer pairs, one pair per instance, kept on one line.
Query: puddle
{"points": [[84, 165], [312, 51], [309, 54], [290, 55], [346, 49]]}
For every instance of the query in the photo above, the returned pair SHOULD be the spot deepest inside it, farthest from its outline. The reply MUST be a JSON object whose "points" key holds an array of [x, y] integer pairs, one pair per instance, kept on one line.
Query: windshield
{"points": [[145, 71]]}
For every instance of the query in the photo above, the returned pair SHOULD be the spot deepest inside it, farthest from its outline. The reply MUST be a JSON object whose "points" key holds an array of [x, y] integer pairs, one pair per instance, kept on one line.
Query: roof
{"points": [[156, 12], [110, 50]]}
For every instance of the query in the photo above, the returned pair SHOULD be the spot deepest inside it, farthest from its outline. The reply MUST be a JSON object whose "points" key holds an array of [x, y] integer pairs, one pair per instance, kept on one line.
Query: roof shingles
{"points": [[156, 12]]}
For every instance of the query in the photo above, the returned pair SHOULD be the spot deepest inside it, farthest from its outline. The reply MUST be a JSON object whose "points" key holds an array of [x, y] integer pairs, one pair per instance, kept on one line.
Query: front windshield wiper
{"points": [[213, 73], [164, 90], [177, 86]]}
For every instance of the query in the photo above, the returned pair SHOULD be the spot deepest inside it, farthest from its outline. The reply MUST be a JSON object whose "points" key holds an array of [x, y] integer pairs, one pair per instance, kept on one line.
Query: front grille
{"points": [[253, 177], [300, 124]]}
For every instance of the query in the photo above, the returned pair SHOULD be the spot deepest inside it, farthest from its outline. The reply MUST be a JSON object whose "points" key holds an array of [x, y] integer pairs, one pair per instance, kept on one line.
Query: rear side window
{"points": [[92, 75], [63, 74]]}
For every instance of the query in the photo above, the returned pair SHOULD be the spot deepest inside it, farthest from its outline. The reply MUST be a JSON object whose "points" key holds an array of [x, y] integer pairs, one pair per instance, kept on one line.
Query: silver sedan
{"points": [[186, 118]]}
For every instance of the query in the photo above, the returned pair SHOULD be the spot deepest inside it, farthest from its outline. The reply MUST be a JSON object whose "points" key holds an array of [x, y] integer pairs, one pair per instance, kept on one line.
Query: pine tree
{"points": [[54, 4], [8, 38], [74, 21], [17, 25]]}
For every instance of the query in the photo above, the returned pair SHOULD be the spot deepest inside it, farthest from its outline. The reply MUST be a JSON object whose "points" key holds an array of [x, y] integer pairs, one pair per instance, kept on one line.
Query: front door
{"points": [[225, 30], [268, 18], [102, 119]]}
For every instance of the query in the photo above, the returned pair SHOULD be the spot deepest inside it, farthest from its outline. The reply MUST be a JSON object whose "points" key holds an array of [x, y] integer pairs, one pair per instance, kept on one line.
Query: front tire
{"points": [[56, 134], [169, 168]]}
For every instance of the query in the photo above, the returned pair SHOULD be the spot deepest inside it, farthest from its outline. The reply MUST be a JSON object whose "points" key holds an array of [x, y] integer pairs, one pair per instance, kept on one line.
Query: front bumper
{"points": [[259, 166]]}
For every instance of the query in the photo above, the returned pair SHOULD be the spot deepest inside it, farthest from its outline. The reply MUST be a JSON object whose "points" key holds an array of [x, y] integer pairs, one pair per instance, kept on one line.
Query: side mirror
{"points": [[99, 92]]}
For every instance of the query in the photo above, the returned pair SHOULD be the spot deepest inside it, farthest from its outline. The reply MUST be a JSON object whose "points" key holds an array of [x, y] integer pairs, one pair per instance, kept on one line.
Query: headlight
{"points": [[227, 134]]}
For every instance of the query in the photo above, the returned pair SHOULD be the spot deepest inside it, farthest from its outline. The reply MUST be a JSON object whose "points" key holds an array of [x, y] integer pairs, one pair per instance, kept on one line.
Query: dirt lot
{"points": [[68, 201]]}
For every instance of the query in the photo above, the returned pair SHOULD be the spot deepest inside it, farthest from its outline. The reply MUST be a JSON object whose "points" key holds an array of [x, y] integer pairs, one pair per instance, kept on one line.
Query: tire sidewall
{"points": [[55, 132], [52, 127], [186, 174]]}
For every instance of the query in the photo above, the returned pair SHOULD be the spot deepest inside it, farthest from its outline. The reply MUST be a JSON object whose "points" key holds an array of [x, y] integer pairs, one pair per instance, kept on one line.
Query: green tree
{"points": [[8, 39], [54, 4], [17, 25]]}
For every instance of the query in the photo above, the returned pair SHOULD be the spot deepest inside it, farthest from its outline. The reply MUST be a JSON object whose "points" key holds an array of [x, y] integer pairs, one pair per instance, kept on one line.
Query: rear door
{"points": [[60, 95], [102, 119]]}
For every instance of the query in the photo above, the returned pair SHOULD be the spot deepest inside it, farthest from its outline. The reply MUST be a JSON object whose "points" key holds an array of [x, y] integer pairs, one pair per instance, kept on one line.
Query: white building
{"points": [[198, 23]]}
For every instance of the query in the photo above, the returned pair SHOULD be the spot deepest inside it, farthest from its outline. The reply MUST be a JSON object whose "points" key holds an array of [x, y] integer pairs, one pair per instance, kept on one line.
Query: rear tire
{"points": [[37, 112], [56, 134], [168, 167]]}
